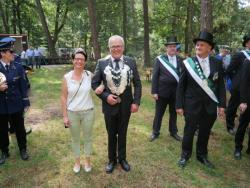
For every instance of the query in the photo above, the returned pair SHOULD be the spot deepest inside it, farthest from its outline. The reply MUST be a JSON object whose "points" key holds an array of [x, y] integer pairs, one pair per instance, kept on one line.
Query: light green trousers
{"points": [[81, 122]]}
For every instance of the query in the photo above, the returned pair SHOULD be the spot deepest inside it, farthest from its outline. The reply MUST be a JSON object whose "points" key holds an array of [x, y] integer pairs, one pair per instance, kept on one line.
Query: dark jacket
{"points": [[15, 98], [127, 98], [163, 82], [245, 83], [234, 70], [192, 98]]}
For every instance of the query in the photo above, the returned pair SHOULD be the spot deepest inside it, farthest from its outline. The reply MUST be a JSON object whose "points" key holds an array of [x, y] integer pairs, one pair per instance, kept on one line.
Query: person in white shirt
{"points": [[78, 107], [37, 57], [30, 55]]}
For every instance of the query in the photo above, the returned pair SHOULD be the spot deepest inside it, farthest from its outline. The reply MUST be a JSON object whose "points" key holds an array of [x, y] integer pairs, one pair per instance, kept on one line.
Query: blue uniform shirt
{"points": [[15, 98]]}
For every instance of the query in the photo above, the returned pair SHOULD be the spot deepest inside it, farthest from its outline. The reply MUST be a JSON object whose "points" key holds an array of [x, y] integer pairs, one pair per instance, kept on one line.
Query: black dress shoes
{"points": [[182, 162], [4, 156], [24, 155], [205, 162], [237, 155], [153, 137], [176, 137], [125, 166], [110, 167]]}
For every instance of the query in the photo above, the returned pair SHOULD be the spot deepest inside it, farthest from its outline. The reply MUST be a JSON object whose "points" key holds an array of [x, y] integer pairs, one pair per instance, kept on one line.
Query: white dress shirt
{"points": [[204, 63], [173, 60]]}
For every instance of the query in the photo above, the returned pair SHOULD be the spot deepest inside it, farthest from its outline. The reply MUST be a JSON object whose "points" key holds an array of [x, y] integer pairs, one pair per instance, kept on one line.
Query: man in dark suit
{"points": [[117, 73], [234, 71], [164, 83], [200, 95], [13, 101], [244, 109]]}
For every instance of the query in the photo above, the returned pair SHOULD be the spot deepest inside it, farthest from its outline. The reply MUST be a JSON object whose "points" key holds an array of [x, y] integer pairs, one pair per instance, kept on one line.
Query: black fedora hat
{"points": [[171, 40], [206, 37], [245, 39]]}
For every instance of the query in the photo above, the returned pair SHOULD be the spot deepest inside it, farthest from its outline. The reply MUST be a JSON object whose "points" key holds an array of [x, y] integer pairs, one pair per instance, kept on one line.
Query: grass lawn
{"points": [[153, 164]]}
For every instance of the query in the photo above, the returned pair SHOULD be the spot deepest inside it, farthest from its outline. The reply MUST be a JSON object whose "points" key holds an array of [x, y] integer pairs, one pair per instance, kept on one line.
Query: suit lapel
{"points": [[212, 67]]}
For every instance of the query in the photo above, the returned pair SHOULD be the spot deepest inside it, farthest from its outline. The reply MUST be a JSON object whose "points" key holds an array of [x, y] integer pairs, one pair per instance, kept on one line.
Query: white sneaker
{"points": [[77, 168], [87, 168]]}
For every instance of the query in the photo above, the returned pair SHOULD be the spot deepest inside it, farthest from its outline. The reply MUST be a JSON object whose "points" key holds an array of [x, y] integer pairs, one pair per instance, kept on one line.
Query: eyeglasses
{"points": [[116, 47], [79, 59]]}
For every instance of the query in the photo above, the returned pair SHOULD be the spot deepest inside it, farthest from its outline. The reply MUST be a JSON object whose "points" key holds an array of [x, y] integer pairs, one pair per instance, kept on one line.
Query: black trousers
{"points": [[160, 108], [117, 126], [205, 122], [232, 107], [243, 124], [17, 121]]}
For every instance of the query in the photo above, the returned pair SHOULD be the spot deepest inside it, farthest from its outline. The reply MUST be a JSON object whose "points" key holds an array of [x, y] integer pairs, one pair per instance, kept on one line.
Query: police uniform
{"points": [[13, 101]]}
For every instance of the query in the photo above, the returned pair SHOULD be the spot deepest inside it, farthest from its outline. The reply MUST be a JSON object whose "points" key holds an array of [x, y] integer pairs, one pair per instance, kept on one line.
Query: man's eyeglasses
{"points": [[79, 59], [116, 47]]}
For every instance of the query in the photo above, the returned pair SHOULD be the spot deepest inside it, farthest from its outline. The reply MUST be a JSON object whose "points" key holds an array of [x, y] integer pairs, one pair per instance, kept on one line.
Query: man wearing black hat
{"points": [[245, 111], [200, 95], [164, 83], [13, 101], [234, 71]]}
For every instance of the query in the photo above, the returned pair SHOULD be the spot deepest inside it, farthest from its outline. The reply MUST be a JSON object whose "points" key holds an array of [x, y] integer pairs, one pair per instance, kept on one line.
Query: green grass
{"points": [[153, 164]]}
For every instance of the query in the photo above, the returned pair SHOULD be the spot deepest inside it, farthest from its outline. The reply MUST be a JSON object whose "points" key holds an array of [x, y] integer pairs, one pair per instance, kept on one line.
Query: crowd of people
{"points": [[193, 87]]}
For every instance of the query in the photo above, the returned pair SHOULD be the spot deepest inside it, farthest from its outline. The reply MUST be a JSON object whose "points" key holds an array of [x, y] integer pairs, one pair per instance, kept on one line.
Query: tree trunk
{"points": [[146, 34], [14, 16], [51, 44], [188, 28], [19, 16], [4, 18], [93, 27], [206, 16], [124, 6]]}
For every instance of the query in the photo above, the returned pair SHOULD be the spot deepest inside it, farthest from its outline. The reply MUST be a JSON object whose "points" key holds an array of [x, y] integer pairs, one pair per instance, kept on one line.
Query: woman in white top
{"points": [[78, 108]]}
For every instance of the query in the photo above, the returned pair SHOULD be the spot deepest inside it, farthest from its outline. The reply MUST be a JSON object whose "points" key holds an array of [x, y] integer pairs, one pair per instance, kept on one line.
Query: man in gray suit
{"points": [[117, 73]]}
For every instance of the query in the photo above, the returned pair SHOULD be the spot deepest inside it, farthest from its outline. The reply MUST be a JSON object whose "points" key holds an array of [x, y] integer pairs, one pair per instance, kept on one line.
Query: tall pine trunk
{"points": [[93, 27], [146, 34]]}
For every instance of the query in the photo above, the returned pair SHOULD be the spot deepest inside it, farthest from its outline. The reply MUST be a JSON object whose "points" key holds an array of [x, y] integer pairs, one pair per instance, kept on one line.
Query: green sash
{"points": [[198, 75]]}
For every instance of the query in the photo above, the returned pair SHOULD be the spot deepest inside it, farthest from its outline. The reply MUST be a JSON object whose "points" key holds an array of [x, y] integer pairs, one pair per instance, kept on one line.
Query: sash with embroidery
{"points": [[174, 71], [198, 75], [246, 54]]}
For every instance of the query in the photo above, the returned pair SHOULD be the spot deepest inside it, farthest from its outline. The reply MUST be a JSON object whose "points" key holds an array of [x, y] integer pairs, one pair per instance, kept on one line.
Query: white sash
{"points": [[246, 54], [168, 68], [202, 83]]}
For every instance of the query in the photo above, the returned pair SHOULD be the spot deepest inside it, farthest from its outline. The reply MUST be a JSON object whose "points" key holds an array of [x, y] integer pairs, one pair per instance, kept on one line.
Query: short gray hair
{"points": [[115, 37]]}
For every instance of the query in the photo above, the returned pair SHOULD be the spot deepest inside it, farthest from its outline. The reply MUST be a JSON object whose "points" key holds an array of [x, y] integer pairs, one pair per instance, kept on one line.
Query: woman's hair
{"points": [[80, 51]]}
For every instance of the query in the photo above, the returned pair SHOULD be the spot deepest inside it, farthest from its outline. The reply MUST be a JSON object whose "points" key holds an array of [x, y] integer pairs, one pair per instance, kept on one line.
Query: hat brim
{"points": [[170, 43], [212, 44]]}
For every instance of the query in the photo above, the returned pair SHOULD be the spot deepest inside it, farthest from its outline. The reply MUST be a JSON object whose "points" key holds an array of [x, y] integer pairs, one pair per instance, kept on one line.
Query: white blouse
{"points": [[82, 100]]}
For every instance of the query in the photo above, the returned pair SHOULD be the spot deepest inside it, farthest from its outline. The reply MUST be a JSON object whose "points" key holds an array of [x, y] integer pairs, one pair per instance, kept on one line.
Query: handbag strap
{"points": [[77, 90]]}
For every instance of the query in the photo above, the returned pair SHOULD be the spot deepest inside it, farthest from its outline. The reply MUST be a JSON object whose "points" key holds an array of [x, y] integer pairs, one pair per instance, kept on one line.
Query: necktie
{"points": [[117, 64], [204, 67], [7, 68]]}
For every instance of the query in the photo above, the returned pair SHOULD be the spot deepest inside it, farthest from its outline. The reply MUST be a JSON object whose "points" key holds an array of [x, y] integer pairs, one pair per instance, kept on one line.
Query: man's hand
{"points": [[155, 96], [243, 107], [3, 86], [112, 99], [134, 108], [99, 89], [180, 111], [221, 113]]}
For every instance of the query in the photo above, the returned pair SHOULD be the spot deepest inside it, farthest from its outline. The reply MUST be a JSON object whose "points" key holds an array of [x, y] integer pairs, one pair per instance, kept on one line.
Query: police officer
{"points": [[13, 101]]}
